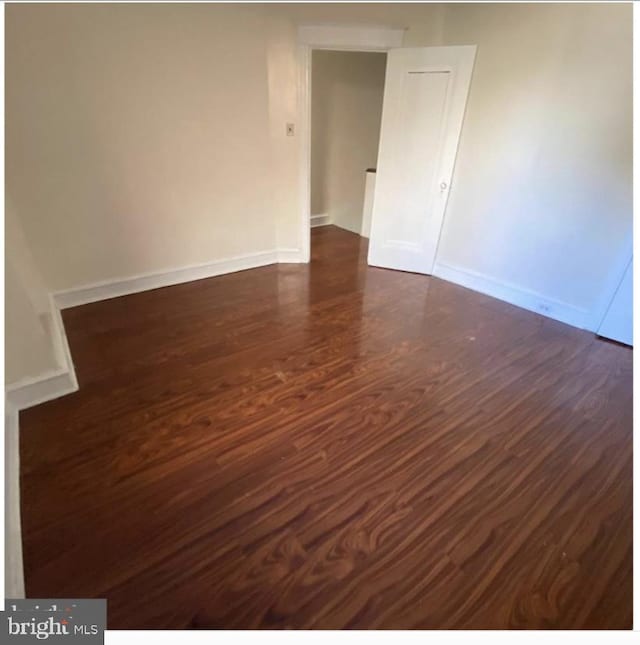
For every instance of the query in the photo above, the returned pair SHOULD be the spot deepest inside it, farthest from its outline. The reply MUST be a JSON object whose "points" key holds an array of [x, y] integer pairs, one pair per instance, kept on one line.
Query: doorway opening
{"points": [[425, 94], [347, 89], [342, 38]]}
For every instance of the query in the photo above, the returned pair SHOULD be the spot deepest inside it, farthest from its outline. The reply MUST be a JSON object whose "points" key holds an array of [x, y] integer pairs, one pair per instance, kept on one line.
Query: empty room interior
{"points": [[319, 316]]}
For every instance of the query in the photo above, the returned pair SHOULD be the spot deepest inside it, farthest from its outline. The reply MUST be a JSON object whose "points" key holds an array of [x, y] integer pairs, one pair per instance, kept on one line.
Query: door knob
{"points": [[443, 185]]}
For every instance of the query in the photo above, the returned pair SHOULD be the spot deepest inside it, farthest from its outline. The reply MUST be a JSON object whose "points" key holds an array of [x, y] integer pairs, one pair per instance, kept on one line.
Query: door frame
{"points": [[335, 38]]}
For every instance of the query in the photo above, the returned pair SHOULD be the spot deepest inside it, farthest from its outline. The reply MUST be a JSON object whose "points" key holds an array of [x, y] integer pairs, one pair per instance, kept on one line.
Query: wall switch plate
{"points": [[291, 129]]}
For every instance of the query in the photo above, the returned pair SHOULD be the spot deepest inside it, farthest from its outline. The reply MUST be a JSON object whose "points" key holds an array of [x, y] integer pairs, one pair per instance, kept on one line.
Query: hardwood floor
{"points": [[333, 446]]}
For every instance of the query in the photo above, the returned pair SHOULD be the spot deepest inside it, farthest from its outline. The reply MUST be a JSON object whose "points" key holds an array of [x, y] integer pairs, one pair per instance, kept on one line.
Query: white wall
{"points": [[346, 107], [138, 136], [282, 74], [29, 345], [541, 198]]}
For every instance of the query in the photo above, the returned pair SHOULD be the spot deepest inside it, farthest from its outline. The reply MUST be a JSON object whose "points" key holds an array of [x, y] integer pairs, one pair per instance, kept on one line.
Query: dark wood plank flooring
{"points": [[333, 446]]}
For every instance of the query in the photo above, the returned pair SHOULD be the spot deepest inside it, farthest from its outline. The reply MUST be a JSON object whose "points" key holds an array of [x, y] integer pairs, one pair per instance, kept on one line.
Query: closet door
{"points": [[424, 101]]}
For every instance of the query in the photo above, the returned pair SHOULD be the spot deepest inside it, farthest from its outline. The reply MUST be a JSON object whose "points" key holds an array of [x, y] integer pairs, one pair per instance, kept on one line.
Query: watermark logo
{"points": [[58, 621]]}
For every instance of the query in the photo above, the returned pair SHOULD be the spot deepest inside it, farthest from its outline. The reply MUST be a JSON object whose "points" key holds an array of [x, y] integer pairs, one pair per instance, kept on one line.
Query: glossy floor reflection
{"points": [[333, 446]]}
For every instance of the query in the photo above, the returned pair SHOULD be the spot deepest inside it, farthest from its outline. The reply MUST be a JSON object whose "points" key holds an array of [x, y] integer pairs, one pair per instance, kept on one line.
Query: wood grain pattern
{"points": [[333, 446]]}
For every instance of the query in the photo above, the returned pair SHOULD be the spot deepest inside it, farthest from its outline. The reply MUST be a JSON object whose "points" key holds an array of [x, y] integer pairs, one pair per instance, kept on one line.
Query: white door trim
{"points": [[332, 37], [350, 37]]}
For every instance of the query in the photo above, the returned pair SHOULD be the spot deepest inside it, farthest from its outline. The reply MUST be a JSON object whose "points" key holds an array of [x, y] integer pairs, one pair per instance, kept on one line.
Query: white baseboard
{"points": [[323, 219], [144, 282], [514, 295], [50, 385], [13, 567], [346, 228], [289, 256]]}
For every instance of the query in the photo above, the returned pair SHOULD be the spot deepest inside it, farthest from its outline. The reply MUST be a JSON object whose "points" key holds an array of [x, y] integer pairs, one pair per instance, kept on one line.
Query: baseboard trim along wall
{"points": [[321, 219], [146, 281], [289, 256], [50, 385], [13, 566], [530, 300]]}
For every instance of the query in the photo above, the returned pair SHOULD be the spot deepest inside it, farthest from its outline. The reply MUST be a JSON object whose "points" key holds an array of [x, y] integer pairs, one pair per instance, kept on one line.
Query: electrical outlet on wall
{"points": [[291, 129]]}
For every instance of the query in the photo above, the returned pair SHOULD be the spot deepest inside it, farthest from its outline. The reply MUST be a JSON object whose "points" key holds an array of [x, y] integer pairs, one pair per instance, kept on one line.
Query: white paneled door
{"points": [[424, 101]]}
